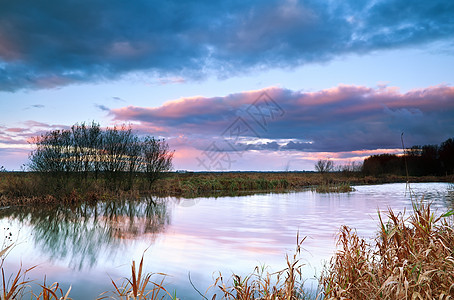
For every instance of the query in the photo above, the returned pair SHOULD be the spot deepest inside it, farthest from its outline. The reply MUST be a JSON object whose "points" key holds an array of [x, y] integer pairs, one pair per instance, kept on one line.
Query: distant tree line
{"points": [[89, 150], [418, 160]]}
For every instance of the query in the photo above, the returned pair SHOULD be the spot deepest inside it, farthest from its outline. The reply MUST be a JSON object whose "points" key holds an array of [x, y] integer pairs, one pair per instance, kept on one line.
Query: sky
{"points": [[231, 85]]}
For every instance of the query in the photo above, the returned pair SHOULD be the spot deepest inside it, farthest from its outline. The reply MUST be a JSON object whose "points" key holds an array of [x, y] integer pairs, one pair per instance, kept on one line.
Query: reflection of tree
{"points": [[450, 196], [82, 233]]}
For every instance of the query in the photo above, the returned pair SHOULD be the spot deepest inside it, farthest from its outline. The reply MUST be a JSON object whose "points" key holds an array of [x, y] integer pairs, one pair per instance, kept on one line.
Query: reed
{"points": [[137, 286], [412, 259], [286, 284], [14, 289], [52, 292]]}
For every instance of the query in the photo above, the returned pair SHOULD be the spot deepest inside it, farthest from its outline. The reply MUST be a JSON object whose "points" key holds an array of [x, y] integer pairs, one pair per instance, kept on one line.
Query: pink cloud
{"points": [[8, 49], [337, 119], [16, 129], [344, 123]]}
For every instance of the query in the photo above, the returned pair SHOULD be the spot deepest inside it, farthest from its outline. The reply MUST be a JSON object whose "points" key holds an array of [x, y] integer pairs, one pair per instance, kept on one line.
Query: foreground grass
{"points": [[285, 284], [412, 258]]}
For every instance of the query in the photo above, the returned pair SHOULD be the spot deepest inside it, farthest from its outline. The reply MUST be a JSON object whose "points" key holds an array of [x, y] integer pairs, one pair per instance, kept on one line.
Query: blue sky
{"points": [[390, 62]]}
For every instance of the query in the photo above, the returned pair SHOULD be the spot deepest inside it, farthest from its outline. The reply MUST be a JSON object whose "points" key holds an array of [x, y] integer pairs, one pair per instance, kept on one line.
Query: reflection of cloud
{"points": [[47, 45]]}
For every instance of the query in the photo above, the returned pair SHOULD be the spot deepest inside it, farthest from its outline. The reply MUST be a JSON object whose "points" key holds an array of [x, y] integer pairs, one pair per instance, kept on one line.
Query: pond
{"points": [[84, 247]]}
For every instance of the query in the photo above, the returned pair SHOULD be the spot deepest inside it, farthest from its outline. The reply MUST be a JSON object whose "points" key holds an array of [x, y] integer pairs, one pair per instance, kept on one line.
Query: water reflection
{"points": [[199, 235], [83, 233], [450, 196]]}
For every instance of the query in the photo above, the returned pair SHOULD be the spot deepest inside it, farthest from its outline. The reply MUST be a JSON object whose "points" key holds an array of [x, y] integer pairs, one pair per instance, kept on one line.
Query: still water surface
{"points": [[86, 246]]}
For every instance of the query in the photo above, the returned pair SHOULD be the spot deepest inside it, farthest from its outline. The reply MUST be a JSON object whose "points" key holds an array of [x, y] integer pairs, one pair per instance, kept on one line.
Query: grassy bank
{"points": [[26, 188], [196, 184], [412, 258]]}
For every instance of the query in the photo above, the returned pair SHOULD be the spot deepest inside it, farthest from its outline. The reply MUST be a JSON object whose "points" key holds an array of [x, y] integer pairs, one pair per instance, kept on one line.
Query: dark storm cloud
{"points": [[344, 118], [46, 44]]}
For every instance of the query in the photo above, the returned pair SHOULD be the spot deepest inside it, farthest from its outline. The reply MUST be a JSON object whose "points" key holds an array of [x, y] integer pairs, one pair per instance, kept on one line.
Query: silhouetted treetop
{"points": [[90, 149]]}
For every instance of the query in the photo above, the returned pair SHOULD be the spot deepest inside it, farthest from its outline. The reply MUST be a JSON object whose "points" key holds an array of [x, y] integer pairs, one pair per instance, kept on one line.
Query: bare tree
{"points": [[52, 153], [324, 166], [113, 151], [157, 158], [350, 167]]}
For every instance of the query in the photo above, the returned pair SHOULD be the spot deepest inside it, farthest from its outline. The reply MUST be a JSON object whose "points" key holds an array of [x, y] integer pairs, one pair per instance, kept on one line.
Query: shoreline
{"points": [[26, 188]]}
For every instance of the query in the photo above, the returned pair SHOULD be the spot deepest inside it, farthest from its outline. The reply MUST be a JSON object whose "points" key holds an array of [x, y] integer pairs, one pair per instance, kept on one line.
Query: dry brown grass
{"points": [[52, 292], [25, 188], [412, 259], [138, 286], [16, 286], [286, 284]]}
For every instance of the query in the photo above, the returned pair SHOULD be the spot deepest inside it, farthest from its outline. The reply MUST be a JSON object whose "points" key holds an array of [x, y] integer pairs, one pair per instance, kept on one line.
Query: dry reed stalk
{"points": [[136, 288], [50, 292], [412, 259], [260, 286]]}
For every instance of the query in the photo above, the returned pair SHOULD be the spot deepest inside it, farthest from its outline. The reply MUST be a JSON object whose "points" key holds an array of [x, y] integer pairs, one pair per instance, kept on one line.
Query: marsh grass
{"points": [[16, 286], [286, 284], [28, 188], [13, 287], [52, 292], [412, 259], [139, 286], [342, 187]]}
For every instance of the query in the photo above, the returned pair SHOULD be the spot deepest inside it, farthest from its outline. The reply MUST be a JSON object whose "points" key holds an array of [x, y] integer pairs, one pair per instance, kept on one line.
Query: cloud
{"points": [[168, 80], [34, 106], [51, 44], [343, 118], [102, 107], [118, 99], [19, 137]]}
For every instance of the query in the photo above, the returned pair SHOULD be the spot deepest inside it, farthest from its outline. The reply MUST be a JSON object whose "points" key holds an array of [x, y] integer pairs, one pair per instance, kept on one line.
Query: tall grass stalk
{"points": [[52, 292], [412, 259], [137, 287], [286, 284]]}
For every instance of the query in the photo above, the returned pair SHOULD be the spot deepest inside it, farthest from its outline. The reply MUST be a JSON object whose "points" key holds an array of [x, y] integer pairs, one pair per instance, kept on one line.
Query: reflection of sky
{"points": [[231, 234]]}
